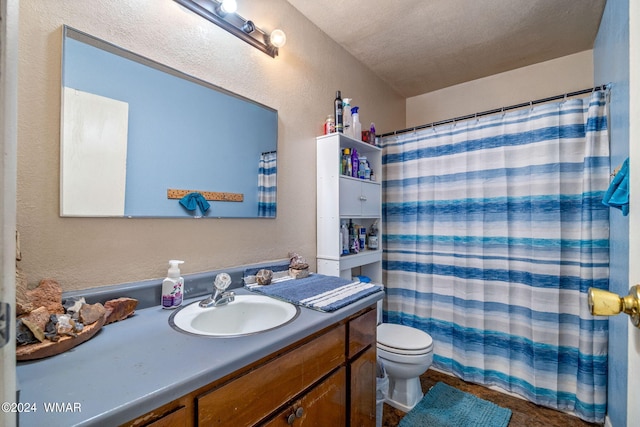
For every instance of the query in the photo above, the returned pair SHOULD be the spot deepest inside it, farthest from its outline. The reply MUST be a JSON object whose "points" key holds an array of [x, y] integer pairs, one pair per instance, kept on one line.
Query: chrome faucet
{"points": [[219, 297]]}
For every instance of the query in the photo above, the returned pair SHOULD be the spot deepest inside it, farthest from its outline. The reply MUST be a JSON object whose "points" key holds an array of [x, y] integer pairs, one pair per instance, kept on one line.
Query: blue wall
{"points": [[611, 65], [181, 134]]}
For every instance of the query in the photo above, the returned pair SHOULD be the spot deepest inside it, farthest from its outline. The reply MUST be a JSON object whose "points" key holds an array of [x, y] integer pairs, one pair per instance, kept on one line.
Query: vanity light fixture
{"points": [[226, 6], [222, 13]]}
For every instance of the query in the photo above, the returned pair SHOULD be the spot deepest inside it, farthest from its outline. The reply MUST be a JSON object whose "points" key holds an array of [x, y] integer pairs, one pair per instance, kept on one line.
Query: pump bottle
{"points": [[173, 286]]}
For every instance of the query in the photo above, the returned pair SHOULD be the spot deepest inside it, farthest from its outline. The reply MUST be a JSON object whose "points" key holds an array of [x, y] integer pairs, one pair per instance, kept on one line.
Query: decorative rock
{"points": [[298, 274], [23, 334], [65, 325], [119, 309], [297, 262], [38, 317], [89, 313], [51, 329], [23, 305], [264, 276], [35, 329], [48, 294], [72, 306]]}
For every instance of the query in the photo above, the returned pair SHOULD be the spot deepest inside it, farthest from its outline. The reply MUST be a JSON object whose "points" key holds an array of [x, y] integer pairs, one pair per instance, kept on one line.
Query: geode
{"points": [[264, 276]]}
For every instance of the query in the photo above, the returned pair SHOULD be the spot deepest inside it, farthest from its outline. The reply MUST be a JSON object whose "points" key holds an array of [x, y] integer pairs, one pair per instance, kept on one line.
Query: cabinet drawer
{"points": [[362, 332], [323, 405], [249, 398]]}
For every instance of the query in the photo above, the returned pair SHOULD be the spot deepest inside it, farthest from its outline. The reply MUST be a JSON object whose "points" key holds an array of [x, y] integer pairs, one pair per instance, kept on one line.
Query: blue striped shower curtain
{"points": [[494, 232], [267, 187]]}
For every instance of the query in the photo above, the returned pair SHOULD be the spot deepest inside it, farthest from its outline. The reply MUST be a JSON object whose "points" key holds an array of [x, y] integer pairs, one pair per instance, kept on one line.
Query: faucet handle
{"points": [[222, 281]]}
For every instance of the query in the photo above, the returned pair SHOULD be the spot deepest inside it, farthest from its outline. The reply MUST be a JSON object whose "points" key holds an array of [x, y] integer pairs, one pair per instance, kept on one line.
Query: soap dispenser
{"points": [[173, 286]]}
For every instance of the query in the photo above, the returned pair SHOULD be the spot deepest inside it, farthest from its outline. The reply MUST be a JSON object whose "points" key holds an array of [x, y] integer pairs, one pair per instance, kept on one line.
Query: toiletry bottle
{"points": [[362, 236], [372, 134], [346, 117], [173, 286], [372, 241], [329, 125], [354, 163], [355, 123], [352, 237], [337, 111], [362, 166], [344, 238], [346, 162]]}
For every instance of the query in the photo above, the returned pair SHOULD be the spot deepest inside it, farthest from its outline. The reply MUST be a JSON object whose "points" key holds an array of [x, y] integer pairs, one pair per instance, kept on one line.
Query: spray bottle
{"points": [[355, 123], [173, 286]]}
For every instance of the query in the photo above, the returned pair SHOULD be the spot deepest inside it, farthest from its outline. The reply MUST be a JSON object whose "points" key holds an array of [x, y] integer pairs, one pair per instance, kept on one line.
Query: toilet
{"points": [[406, 353]]}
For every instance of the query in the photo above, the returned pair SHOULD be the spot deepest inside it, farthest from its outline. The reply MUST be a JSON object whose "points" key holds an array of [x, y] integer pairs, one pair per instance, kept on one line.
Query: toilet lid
{"points": [[403, 339]]}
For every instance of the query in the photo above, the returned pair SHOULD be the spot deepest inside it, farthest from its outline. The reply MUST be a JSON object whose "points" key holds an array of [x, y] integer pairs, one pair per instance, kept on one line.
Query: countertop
{"points": [[134, 366]]}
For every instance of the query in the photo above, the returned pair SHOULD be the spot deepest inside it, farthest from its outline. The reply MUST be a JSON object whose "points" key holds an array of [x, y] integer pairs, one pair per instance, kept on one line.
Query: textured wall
{"points": [[566, 74], [300, 83]]}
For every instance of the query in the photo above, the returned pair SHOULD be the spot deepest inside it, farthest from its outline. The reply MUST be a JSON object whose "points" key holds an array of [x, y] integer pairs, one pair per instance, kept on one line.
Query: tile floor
{"points": [[524, 413]]}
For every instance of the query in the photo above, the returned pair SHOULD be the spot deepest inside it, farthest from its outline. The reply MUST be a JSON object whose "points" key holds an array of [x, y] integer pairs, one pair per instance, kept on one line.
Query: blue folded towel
{"points": [[191, 200], [318, 292], [617, 196]]}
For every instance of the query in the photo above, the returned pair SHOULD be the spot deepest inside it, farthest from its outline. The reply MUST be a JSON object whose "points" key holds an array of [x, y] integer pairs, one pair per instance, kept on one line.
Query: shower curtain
{"points": [[267, 185], [494, 232]]}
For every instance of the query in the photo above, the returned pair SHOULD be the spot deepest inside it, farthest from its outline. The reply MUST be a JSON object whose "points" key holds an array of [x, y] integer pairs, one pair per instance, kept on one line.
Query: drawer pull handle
{"points": [[297, 414], [363, 198]]}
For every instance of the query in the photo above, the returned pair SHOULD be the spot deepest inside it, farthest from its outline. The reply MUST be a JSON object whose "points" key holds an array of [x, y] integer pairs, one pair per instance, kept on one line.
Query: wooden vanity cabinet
{"points": [[327, 379]]}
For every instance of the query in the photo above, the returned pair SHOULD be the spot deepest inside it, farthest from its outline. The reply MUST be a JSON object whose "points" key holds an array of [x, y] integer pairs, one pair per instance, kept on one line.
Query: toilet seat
{"points": [[400, 339]]}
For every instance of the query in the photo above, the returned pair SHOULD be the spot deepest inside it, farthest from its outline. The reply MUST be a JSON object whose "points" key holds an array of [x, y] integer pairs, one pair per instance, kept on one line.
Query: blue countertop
{"points": [[134, 366]]}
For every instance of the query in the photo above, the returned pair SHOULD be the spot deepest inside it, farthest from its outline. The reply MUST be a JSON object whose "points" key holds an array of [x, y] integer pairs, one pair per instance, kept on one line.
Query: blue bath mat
{"points": [[445, 406]]}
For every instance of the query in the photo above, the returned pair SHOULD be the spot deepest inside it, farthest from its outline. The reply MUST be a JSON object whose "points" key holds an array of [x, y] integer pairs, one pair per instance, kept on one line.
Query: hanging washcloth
{"points": [[617, 196], [191, 200]]}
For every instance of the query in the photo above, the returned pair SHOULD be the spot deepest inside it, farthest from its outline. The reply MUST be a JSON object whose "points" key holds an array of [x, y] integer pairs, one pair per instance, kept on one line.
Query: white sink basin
{"points": [[247, 314]]}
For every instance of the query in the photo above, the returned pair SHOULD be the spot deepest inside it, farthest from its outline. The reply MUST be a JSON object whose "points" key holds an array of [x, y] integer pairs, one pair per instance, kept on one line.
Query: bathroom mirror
{"points": [[137, 136]]}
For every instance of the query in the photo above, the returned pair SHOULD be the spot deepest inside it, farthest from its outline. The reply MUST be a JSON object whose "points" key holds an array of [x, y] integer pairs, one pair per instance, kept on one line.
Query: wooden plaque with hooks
{"points": [[216, 196]]}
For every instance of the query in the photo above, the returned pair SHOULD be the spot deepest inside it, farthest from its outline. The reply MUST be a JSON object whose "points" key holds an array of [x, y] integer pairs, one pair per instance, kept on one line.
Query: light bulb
{"points": [[278, 38], [229, 6]]}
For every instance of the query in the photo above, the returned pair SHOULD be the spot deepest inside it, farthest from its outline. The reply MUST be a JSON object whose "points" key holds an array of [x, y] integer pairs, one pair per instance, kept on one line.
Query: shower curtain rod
{"points": [[496, 110]]}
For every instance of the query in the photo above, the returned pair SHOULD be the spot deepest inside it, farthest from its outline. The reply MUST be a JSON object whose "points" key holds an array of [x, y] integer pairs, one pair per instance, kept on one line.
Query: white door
{"points": [[8, 176]]}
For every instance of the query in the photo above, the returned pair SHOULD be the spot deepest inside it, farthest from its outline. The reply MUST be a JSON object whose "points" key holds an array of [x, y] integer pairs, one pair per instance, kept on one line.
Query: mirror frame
{"points": [[82, 37]]}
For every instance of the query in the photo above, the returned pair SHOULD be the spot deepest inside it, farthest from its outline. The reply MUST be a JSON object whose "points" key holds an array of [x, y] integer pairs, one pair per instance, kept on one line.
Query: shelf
{"points": [[348, 142], [351, 178]]}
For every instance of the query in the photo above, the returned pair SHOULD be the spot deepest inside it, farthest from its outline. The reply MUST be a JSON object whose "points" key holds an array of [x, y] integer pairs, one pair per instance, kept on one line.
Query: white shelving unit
{"points": [[342, 197]]}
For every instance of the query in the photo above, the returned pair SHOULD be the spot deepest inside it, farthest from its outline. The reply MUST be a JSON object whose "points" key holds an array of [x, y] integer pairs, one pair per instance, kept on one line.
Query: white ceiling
{"points": [[418, 46]]}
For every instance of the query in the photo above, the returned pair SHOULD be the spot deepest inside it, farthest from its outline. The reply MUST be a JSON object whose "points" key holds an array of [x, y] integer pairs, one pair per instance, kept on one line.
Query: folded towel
{"points": [[617, 196], [191, 200], [318, 292]]}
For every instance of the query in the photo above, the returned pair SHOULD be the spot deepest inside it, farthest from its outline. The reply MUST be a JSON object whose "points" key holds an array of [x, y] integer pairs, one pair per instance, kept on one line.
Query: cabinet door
{"points": [[350, 197], [323, 405], [254, 395], [370, 197], [362, 380]]}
